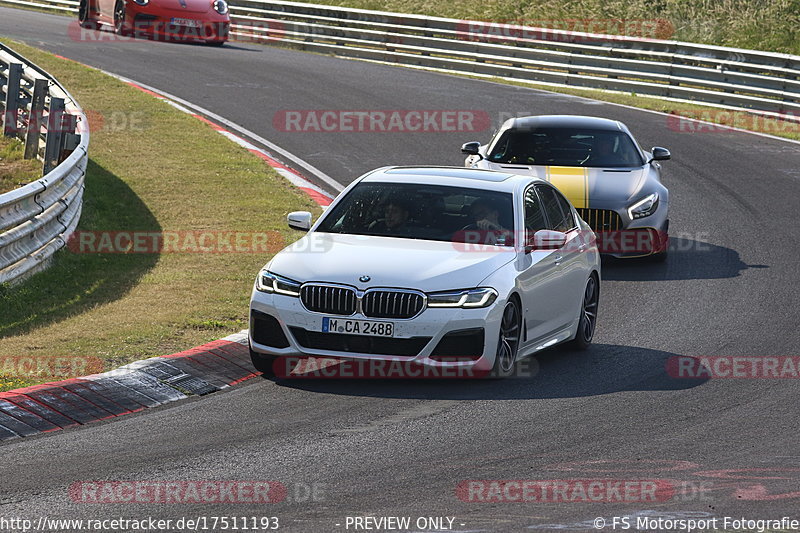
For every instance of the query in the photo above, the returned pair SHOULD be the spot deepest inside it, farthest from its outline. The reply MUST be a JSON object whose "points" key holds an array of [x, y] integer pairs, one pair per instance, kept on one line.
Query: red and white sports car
{"points": [[194, 20]]}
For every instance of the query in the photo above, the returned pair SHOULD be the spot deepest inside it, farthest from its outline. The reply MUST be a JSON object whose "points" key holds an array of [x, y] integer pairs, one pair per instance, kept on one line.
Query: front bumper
{"points": [[620, 236], [429, 339], [146, 22]]}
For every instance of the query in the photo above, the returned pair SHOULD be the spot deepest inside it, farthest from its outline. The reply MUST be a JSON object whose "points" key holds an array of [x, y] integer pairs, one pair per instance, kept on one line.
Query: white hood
{"points": [[389, 262]]}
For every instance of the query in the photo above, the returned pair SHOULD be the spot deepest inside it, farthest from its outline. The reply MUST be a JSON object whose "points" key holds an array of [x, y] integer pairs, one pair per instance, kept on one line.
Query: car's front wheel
{"points": [[588, 319], [508, 341], [120, 25], [264, 363], [84, 15]]}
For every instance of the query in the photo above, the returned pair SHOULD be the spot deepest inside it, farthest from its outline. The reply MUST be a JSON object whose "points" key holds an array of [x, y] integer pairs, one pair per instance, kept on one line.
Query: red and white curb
{"points": [[150, 382], [131, 388]]}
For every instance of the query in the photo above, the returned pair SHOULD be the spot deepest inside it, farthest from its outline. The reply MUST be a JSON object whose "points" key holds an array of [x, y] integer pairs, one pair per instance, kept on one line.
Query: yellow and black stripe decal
{"points": [[573, 182]]}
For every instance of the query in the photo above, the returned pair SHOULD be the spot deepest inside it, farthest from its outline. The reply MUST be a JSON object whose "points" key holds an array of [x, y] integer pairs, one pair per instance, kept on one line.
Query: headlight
{"points": [[142, 2], [221, 6], [466, 298], [269, 282], [644, 207]]}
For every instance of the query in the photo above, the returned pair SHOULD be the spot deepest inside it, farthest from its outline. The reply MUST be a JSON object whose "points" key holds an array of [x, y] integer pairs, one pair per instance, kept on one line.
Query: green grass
{"points": [[169, 173], [14, 170], [753, 24]]}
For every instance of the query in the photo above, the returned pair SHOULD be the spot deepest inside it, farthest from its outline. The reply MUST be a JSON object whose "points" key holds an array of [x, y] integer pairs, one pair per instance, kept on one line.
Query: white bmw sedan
{"points": [[433, 266]]}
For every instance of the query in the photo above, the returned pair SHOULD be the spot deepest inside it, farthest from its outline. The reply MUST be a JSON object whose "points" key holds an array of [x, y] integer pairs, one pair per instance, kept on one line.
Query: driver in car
{"points": [[603, 152], [485, 216], [395, 218], [485, 227]]}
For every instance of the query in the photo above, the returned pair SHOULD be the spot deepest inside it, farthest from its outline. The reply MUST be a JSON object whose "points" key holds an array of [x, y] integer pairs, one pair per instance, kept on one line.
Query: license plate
{"points": [[357, 327], [189, 23]]}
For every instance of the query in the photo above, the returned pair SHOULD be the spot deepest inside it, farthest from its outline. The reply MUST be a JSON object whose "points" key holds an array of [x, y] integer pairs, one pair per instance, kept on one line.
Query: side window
{"points": [[534, 216], [557, 219], [566, 208]]}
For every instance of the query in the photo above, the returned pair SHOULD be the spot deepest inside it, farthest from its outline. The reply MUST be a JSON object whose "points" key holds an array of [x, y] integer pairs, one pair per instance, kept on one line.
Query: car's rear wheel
{"points": [[264, 363], [120, 25], [508, 341], [588, 320], [85, 16]]}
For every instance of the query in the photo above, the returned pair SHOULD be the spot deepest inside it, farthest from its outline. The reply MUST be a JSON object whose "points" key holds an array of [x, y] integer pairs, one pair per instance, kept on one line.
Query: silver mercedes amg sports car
{"points": [[596, 163]]}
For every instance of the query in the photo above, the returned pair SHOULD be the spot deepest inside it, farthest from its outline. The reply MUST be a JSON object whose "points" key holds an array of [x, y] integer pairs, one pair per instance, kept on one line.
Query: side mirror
{"points": [[545, 239], [471, 148], [299, 220], [660, 154]]}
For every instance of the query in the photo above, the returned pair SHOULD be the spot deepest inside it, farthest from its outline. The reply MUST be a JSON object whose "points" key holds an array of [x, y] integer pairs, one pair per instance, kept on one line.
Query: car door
{"points": [[106, 9], [573, 270], [539, 277]]}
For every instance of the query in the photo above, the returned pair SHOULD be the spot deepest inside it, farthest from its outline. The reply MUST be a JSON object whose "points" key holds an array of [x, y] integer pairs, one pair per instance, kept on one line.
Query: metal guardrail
{"points": [[764, 82], [37, 219], [727, 77]]}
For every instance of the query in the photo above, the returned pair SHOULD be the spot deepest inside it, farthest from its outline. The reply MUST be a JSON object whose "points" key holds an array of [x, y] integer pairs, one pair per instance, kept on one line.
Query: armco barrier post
{"points": [[69, 139], [12, 100], [41, 88], [52, 146]]}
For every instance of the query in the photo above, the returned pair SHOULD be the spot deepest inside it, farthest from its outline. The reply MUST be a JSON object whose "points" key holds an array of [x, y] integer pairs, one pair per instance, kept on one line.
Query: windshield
{"points": [[566, 147], [429, 212]]}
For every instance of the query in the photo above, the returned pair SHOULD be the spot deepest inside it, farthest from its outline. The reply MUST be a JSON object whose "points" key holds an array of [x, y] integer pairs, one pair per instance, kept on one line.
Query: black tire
{"points": [[508, 340], [120, 27], [264, 363], [85, 17], [588, 321]]}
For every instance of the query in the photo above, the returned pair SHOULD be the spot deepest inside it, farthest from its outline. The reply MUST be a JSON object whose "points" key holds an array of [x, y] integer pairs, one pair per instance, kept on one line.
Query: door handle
{"points": [[558, 258]]}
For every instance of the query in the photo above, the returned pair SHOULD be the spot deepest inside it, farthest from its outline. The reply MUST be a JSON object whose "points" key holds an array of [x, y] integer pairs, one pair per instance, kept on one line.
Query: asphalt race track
{"points": [[399, 448]]}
